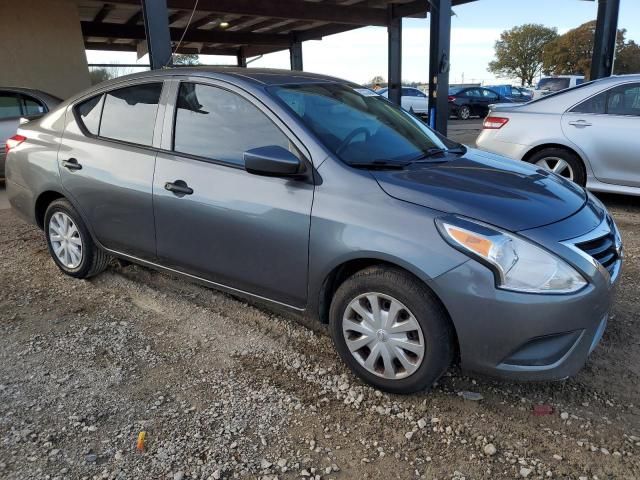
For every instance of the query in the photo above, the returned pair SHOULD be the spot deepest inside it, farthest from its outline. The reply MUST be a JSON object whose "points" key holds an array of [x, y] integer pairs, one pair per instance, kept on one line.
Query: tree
{"points": [[377, 80], [571, 53], [519, 51], [186, 59]]}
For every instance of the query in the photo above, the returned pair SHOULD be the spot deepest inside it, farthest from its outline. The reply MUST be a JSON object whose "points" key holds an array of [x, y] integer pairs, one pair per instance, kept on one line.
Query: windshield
{"points": [[359, 126], [553, 84]]}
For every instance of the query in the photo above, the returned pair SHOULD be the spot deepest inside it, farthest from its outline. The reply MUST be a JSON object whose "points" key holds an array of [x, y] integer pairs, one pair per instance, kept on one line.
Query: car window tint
{"points": [[9, 106], [624, 100], [32, 106], [488, 94], [89, 113], [595, 104], [218, 124], [129, 114], [407, 92]]}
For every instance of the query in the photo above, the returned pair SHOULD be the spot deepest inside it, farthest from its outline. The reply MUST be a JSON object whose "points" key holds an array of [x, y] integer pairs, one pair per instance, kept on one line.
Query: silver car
{"points": [[310, 194], [16, 103], [588, 134]]}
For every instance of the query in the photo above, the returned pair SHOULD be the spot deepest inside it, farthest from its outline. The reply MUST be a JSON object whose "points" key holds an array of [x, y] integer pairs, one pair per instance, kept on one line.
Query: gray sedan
{"points": [[588, 134], [311, 195], [16, 103]]}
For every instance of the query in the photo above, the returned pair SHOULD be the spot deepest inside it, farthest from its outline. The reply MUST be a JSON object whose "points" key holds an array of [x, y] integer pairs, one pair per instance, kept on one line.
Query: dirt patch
{"points": [[227, 390]]}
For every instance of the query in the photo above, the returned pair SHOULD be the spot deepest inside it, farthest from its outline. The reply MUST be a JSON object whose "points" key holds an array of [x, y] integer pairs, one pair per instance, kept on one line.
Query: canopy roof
{"points": [[227, 27]]}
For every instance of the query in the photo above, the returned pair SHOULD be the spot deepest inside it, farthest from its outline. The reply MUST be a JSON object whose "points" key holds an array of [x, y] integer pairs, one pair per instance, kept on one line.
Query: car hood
{"points": [[506, 193]]}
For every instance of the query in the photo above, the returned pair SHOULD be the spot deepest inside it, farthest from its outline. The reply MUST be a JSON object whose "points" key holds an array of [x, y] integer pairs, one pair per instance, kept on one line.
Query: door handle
{"points": [[179, 188], [71, 164], [580, 123]]}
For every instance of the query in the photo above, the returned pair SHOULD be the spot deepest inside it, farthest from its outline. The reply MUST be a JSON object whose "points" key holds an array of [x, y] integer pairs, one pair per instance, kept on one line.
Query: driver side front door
{"points": [[244, 232]]}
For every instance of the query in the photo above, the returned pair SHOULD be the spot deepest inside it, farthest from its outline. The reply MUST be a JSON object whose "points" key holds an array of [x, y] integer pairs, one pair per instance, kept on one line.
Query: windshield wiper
{"points": [[379, 165], [428, 154]]}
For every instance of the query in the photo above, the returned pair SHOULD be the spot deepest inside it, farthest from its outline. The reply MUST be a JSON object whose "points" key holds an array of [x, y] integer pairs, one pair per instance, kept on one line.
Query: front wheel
{"points": [[391, 330], [70, 244]]}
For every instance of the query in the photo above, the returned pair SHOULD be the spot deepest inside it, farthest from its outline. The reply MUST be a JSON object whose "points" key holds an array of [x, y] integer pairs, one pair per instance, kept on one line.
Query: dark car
{"points": [[473, 101], [515, 94], [313, 195]]}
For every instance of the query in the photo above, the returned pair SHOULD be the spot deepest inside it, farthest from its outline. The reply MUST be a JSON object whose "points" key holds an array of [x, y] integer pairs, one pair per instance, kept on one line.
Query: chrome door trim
{"points": [[199, 279]]}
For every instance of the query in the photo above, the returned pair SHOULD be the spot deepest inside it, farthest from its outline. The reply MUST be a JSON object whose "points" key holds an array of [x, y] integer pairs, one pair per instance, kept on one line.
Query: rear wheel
{"points": [[70, 243], [464, 112], [561, 162], [391, 330]]}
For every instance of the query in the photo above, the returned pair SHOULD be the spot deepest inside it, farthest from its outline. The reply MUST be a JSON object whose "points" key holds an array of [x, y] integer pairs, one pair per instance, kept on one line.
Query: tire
{"points": [[421, 306], [464, 112], [92, 260], [553, 157]]}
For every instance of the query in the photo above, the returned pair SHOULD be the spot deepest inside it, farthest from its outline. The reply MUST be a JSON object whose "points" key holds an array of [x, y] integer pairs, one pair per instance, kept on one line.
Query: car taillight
{"points": [[13, 142], [494, 123], [451, 98]]}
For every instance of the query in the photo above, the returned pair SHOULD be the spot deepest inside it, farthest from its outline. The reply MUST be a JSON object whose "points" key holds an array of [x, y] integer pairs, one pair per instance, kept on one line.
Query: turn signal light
{"points": [[13, 142], [494, 123], [451, 98]]}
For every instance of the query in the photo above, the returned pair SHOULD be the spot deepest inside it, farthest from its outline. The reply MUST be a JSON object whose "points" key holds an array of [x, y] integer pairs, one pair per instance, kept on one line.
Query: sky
{"points": [[359, 55]]}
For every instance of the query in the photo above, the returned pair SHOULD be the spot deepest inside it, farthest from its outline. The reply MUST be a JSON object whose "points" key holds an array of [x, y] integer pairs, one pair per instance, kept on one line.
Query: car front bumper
{"points": [[525, 336]]}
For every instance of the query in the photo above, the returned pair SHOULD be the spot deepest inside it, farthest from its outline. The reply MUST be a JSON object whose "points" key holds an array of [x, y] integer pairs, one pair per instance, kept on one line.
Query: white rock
{"points": [[264, 464], [557, 457], [178, 475], [564, 416], [422, 423], [408, 435], [525, 472], [490, 449]]}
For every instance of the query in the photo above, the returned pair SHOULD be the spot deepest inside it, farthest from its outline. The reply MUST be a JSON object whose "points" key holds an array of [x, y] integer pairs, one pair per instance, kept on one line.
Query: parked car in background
{"points": [[318, 197], [556, 83], [412, 100], [16, 103], [515, 94], [589, 134], [473, 101]]}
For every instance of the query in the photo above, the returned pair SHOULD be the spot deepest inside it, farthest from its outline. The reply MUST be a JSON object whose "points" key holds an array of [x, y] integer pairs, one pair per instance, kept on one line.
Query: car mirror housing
{"points": [[272, 160]]}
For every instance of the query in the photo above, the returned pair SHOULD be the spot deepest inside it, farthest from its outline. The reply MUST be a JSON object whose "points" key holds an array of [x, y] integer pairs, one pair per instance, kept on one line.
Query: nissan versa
{"points": [[322, 198]]}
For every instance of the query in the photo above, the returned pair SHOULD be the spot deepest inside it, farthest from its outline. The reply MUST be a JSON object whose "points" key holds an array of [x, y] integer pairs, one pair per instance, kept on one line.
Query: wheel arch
{"points": [[538, 148], [341, 272], [42, 203]]}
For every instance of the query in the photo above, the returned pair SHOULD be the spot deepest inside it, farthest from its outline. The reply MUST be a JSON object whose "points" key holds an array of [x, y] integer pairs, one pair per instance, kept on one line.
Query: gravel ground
{"points": [[224, 389]]}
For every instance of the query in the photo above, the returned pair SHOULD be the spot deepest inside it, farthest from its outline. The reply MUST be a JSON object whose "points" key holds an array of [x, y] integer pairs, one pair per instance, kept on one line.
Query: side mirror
{"points": [[272, 161]]}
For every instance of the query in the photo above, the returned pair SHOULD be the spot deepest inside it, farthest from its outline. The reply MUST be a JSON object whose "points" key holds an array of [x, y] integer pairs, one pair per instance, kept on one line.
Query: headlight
{"points": [[518, 264]]}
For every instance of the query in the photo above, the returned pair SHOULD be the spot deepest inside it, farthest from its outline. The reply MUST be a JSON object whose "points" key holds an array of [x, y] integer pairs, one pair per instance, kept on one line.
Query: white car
{"points": [[412, 99], [589, 134], [547, 85]]}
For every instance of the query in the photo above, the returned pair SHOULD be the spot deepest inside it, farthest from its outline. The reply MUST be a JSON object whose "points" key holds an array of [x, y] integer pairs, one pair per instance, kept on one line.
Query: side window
{"points": [[488, 94], [624, 100], [420, 94], [129, 114], [9, 106], [32, 106], [214, 123], [406, 92], [89, 113], [595, 104]]}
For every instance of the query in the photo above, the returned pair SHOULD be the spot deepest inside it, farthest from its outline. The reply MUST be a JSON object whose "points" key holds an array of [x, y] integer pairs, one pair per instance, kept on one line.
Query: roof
{"points": [[231, 27], [256, 76]]}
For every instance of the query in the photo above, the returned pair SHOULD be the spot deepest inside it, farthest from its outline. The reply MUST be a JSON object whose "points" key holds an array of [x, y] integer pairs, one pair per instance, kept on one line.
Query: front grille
{"points": [[603, 250]]}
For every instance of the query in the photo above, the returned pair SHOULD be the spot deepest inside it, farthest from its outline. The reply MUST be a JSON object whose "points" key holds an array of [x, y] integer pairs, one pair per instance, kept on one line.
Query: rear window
{"points": [[129, 114], [9, 106], [554, 84]]}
